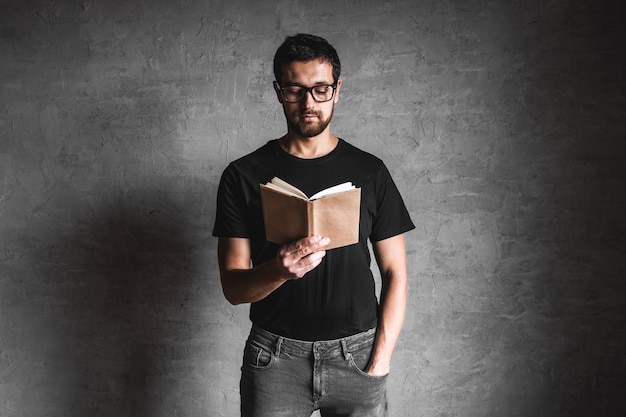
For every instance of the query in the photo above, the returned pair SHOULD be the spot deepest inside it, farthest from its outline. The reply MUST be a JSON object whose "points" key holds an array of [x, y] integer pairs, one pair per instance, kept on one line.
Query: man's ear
{"points": [[279, 93], [336, 97]]}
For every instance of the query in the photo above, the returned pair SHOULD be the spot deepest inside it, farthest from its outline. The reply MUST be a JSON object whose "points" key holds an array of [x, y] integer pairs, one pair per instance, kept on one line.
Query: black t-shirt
{"points": [[338, 298]]}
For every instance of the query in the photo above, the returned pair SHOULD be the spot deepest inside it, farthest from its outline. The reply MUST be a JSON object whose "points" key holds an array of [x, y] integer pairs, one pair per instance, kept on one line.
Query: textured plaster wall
{"points": [[503, 123]]}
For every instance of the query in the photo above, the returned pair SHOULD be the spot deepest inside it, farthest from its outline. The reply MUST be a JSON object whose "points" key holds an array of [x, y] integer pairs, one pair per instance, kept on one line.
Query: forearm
{"points": [[243, 284], [251, 285], [391, 317], [391, 259]]}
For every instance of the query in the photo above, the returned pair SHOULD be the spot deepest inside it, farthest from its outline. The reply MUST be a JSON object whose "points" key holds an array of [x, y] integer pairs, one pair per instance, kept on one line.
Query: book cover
{"points": [[289, 214]]}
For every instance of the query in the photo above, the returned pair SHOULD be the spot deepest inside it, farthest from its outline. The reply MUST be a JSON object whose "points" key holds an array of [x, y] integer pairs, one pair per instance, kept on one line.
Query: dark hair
{"points": [[303, 47]]}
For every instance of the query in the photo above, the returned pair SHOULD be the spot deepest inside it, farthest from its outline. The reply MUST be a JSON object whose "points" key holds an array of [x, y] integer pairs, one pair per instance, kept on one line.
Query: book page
{"points": [[332, 190], [286, 188], [280, 185]]}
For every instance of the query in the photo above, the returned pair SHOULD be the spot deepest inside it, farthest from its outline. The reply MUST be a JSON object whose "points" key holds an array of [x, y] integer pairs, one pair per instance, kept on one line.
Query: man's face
{"points": [[308, 118]]}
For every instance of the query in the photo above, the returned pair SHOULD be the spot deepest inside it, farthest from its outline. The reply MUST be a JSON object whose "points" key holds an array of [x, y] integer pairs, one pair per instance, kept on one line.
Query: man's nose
{"points": [[308, 100]]}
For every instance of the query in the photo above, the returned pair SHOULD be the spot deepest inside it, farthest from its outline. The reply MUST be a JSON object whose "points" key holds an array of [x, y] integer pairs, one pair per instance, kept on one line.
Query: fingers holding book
{"points": [[297, 258]]}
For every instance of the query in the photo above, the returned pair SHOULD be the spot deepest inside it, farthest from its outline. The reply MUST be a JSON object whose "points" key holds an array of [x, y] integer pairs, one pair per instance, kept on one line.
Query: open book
{"points": [[290, 215]]}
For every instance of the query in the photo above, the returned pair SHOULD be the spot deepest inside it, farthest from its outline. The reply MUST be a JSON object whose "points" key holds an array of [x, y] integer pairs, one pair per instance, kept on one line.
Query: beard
{"points": [[308, 130]]}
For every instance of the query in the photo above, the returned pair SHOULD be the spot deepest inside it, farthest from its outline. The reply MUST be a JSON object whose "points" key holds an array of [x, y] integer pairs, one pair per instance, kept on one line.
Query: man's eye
{"points": [[321, 90], [293, 91]]}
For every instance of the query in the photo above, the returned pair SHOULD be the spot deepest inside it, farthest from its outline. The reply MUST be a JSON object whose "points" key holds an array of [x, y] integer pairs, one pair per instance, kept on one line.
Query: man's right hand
{"points": [[297, 258]]}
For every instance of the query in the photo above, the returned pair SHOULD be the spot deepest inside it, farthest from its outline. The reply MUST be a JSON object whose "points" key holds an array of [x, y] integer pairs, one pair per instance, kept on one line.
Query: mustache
{"points": [[309, 113]]}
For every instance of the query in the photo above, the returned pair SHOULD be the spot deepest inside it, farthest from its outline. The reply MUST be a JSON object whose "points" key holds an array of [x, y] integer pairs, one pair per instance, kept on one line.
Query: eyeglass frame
{"points": [[308, 90]]}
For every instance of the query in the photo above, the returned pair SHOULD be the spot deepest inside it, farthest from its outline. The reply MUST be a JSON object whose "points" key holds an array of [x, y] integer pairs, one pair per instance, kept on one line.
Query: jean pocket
{"points": [[360, 359], [256, 357]]}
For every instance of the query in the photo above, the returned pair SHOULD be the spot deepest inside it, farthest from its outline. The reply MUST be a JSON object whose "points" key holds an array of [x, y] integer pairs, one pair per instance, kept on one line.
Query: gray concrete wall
{"points": [[503, 123]]}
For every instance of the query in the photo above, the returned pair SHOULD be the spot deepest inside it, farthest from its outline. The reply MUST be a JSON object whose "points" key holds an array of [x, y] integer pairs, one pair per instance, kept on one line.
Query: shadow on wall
{"points": [[107, 306], [583, 169], [120, 295]]}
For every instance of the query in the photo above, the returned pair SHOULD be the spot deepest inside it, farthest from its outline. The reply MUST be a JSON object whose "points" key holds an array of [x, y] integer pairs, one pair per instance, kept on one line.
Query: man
{"points": [[319, 339]]}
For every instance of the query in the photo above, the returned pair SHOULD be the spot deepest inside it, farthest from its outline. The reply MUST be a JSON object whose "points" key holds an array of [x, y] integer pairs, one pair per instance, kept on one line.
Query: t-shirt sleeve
{"points": [[392, 217], [230, 216]]}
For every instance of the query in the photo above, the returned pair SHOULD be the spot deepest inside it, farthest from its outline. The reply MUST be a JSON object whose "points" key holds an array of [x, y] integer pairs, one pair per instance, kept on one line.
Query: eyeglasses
{"points": [[320, 93]]}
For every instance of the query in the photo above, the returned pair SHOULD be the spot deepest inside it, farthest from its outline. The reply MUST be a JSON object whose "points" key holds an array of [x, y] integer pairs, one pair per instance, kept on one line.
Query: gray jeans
{"points": [[283, 377]]}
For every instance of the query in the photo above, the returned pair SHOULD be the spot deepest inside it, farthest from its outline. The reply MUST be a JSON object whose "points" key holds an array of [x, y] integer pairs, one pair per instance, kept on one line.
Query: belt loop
{"points": [[344, 348], [279, 344]]}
